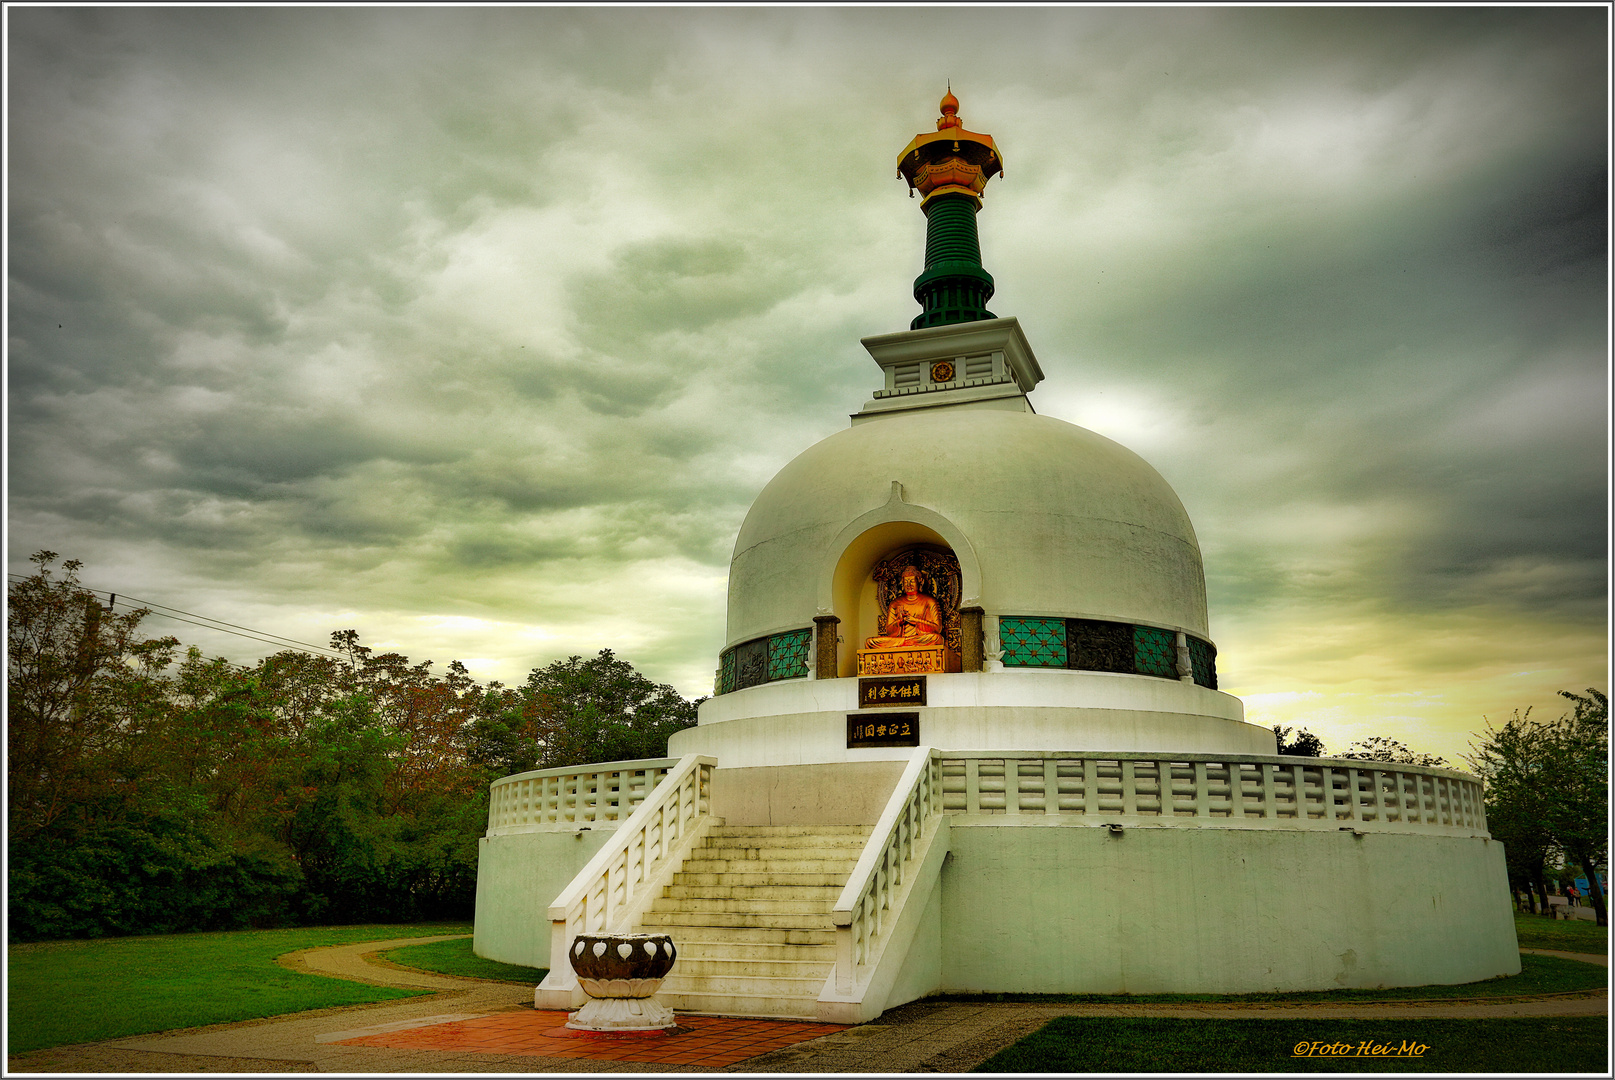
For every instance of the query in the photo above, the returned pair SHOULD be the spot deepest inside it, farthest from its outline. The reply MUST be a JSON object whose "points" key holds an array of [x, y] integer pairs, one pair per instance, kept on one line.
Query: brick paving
{"points": [[711, 1042]]}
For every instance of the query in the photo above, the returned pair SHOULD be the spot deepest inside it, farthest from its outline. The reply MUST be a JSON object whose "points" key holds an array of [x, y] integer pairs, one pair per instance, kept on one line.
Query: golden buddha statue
{"points": [[911, 619]]}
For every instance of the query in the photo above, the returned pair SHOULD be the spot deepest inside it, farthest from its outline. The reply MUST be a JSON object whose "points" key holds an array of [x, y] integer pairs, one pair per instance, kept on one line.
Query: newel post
{"points": [[844, 958]]}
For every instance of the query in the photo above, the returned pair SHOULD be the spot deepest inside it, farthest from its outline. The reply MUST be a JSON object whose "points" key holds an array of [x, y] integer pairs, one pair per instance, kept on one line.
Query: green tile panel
{"points": [[1204, 658], [726, 672], [1155, 652], [1031, 642], [788, 655]]}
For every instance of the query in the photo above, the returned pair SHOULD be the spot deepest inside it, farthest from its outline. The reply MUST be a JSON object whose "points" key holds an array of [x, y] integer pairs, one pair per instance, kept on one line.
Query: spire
{"points": [[950, 169]]}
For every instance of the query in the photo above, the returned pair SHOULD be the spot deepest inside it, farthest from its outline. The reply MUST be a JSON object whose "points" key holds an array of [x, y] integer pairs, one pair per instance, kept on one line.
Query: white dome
{"points": [[1046, 518]]}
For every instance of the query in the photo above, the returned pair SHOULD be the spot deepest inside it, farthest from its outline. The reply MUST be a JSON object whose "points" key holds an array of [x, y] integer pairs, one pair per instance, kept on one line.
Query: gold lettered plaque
{"points": [[881, 693], [883, 729]]}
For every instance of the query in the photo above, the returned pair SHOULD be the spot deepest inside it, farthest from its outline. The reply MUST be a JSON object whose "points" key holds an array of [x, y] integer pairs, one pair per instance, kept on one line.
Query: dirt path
{"points": [[1584, 957], [362, 962]]}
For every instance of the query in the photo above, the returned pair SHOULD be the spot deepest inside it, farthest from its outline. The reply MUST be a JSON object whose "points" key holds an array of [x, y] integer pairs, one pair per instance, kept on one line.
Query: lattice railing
{"points": [[601, 795], [1186, 789], [867, 902]]}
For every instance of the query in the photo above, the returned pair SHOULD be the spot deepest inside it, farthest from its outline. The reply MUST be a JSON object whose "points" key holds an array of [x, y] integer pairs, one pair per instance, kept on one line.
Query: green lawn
{"points": [[1573, 935], [456, 958], [1072, 1044], [64, 992], [1538, 975]]}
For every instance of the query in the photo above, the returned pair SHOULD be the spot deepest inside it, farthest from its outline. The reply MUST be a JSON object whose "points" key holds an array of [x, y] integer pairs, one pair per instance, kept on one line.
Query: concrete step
{"points": [[693, 904], [785, 840], [809, 847], [792, 964], [792, 830], [689, 936], [728, 891], [806, 986], [782, 1008], [727, 952], [735, 919], [704, 865], [691, 880]]}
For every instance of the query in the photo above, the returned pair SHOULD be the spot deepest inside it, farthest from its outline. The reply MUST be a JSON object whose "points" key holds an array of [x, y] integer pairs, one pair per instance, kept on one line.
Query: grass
{"points": [[1073, 1044], [1538, 975], [63, 992], [1573, 935], [456, 958]]}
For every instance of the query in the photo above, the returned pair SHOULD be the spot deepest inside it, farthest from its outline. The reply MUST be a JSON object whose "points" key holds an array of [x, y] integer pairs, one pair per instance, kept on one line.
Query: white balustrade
{"points": [[1247, 791], [867, 902], [601, 795], [609, 892]]}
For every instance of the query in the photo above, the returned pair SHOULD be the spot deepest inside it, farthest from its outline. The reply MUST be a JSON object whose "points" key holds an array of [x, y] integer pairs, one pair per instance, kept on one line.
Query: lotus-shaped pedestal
{"points": [[621, 973]]}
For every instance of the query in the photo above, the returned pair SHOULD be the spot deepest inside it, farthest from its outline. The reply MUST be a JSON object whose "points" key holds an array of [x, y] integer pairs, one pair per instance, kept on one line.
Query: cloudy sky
{"points": [[478, 331]]}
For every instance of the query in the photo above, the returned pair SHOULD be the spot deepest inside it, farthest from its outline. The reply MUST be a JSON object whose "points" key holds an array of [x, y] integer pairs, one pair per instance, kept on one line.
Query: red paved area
{"points": [[712, 1041]]}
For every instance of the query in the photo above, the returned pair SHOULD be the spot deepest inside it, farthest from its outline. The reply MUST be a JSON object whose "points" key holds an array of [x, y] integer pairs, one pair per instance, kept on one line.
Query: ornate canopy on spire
{"points": [[950, 159]]}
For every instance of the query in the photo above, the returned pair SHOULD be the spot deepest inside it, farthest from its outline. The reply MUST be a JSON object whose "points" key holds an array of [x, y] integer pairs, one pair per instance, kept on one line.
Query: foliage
{"points": [[151, 793], [1299, 742], [79, 694], [1381, 748], [81, 991], [1076, 1045], [1302, 743], [603, 710], [456, 958], [1547, 790]]}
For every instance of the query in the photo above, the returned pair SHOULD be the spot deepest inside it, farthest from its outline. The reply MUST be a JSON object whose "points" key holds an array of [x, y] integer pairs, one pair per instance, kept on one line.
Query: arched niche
{"points": [[846, 588]]}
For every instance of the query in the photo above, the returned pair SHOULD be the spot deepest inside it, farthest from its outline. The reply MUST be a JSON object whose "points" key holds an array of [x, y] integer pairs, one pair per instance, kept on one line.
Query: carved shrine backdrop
{"points": [[939, 579]]}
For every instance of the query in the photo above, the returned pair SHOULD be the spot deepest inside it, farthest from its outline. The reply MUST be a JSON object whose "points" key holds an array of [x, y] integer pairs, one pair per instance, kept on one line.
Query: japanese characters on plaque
{"points": [[883, 729], [886, 692]]}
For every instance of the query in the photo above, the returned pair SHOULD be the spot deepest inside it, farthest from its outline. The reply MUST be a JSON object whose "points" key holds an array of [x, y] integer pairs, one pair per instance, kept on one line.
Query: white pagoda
{"points": [[967, 735]]}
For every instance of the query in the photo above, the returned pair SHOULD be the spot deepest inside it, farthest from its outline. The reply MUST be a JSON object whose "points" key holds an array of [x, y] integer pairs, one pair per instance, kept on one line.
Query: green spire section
{"points": [[950, 168], [954, 288]]}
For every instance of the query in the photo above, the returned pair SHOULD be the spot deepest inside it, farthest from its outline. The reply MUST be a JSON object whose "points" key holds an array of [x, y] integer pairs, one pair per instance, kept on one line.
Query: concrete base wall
{"points": [[804, 721], [845, 793], [1082, 910], [517, 877]]}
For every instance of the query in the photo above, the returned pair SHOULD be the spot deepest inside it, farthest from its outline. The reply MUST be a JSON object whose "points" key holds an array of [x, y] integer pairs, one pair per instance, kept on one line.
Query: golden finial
{"points": [[950, 160]]}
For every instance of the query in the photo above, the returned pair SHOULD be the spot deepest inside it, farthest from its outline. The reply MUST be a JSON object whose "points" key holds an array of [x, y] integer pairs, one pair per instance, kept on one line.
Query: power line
{"points": [[209, 623]]}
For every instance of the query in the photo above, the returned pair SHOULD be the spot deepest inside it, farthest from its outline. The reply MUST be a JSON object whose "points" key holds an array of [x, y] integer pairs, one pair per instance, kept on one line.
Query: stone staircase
{"points": [[750, 914]]}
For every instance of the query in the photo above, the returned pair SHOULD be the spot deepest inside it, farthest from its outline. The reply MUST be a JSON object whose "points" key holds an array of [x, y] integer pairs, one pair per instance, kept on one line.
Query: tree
{"points": [[1547, 788], [81, 688], [504, 736], [603, 710], [1302, 744], [151, 797], [1575, 749], [107, 833], [1382, 748]]}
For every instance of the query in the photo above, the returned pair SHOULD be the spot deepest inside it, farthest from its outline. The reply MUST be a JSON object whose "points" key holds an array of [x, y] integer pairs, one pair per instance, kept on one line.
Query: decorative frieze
{"points": [[1102, 645], [769, 659]]}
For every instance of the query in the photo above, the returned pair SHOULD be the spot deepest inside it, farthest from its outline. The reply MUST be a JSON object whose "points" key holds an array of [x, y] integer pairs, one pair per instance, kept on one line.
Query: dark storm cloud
{"points": [[504, 316]]}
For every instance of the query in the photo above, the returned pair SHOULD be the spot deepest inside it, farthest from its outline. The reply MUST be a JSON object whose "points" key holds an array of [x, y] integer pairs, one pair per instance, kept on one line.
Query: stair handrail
{"points": [[603, 895], [860, 913]]}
